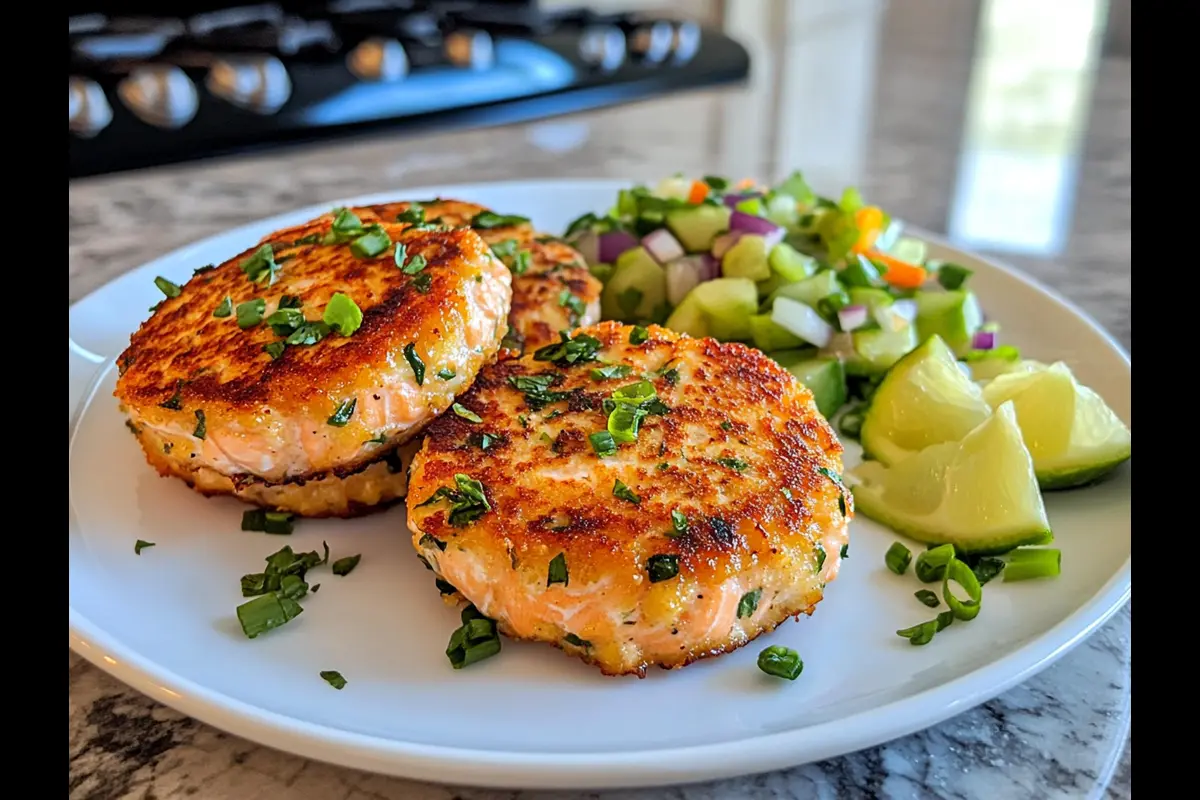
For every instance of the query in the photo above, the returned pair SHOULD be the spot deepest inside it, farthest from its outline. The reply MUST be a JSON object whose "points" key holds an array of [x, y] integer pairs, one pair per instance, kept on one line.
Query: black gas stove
{"points": [[147, 89]]}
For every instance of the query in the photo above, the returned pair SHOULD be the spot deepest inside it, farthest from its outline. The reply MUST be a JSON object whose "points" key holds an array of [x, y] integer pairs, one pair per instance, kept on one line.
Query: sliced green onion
{"points": [[415, 265], [944, 619], [465, 413], [578, 350], [639, 334], [603, 443], [371, 243], [140, 545], [927, 597], [259, 519], [931, 565], [897, 558], [308, 334], [749, 604], [263, 613], [987, 568], [414, 361], [920, 634], [623, 492], [342, 314], [333, 678], [611, 371], [557, 572], [166, 287], [952, 276], [960, 573], [780, 661], [662, 567], [260, 265], [225, 309], [342, 414], [413, 215], [1024, 564], [275, 349], [344, 566]]}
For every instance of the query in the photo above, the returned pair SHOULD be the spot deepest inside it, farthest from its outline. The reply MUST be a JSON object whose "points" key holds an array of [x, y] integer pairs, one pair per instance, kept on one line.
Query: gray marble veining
{"points": [[1062, 734]]}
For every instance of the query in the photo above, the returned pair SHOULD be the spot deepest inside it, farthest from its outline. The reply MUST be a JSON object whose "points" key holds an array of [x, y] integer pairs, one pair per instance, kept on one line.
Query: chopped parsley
{"points": [[260, 266], [820, 558], [308, 333], [536, 389], [343, 413], [749, 604], [927, 598], [261, 520], [735, 464], [623, 492], [602, 443], [225, 309], [611, 371], [505, 248], [285, 321], [414, 361], [576, 350], [486, 220], [639, 334], [140, 545], [446, 374], [671, 376], [344, 566], [342, 314], [413, 265], [574, 305], [837, 479], [467, 503], [485, 440], [422, 282], [333, 677], [373, 242], [250, 313], [201, 430], [557, 572], [174, 403], [662, 567], [726, 425], [413, 215], [166, 287], [346, 226], [466, 413], [575, 641], [679, 522]]}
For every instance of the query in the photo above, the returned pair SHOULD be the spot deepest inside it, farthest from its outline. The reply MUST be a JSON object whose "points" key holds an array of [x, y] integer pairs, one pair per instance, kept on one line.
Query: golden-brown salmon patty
{"points": [[633, 496], [315, 352]]}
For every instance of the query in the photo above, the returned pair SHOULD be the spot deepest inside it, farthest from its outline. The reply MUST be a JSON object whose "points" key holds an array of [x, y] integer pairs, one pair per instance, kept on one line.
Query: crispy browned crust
{"points": [[538, 311], [215, 364]]}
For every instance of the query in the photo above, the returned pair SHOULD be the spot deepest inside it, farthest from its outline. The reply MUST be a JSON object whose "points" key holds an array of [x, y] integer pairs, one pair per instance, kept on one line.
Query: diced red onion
{"points": [[984, 340], [759, 226], [663, 246], [588, 245], [732, 200], [683, 275], [802, 321], [614, 243], [852, 317], [722, 244], [712, 267]]}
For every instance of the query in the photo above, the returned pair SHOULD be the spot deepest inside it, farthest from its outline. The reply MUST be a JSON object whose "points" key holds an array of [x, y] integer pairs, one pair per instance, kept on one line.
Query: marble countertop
{"points": [[914, 115]]}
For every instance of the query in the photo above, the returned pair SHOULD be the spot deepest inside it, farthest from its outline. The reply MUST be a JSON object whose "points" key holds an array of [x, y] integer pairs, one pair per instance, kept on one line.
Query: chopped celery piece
{"points": [[790, 264], [809, 291], [728, 304], [769, 336], [747, 259], [695, 228], [636, 290]]}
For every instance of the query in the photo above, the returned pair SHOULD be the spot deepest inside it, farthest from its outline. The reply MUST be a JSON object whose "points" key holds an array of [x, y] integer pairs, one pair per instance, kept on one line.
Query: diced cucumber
{"points": [[769, 286], [768, 335], [728, 304], [636, 289], [601, 272], [954, 316], [824, 377], [790, 264], [809, 291], [689, 318], [781, 209], [870, 297], [695, 228], [747, 259], [875, 351], [908, 249]]}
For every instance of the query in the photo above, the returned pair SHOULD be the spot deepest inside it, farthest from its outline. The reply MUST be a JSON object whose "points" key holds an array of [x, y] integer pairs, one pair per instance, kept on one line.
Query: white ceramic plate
{"points": [[164, 621]]}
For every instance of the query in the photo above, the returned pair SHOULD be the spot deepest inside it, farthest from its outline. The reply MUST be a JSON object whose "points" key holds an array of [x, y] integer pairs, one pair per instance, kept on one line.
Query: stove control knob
{"points": [[89, 110], [471, 49], [602, 47], [378, 59], [160, 95], [685, 42], [652, 43], [256, 83]]}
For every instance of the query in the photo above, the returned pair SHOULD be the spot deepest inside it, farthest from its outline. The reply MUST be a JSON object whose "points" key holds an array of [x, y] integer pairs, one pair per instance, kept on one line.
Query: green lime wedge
{"points": [[925, 399], [979, 494], [1072, 434]]}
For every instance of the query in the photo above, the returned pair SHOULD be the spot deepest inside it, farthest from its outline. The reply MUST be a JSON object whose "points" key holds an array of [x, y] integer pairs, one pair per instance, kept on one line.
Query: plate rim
{"points": [[660, 766]]}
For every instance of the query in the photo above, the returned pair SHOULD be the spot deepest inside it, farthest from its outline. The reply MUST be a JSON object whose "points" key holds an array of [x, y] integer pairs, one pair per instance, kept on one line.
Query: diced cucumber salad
{"points": [[829, 288]]}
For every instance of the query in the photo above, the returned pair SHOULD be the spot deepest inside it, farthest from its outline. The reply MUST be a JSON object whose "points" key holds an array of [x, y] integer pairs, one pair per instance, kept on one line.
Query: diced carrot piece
{"points": [[746, 183], [698, 192], [900, 274], [869, 221]]}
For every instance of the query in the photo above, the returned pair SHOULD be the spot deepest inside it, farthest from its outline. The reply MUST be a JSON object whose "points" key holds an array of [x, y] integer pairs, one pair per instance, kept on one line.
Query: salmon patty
{"points": [[634, 497], [553, 290], [311, 356]]}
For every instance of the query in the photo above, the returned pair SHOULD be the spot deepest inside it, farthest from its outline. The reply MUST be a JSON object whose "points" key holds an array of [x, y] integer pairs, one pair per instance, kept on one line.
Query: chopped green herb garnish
{"points": [[715, 183], [1026, 563], [931, 565], [413, 215], [623, 492], [927, 597], [662, 567], [466, 413], [663, 467], [735, 464], [837, 479], [467, 503], [201, 429], [602, 443], [485, 440], [415, 265], [259, 519], [748, 604], [333, 678], [414, 361], [921, 634], [204, 269], [290, 301], [260, 266], [250, 313], [897, 558], [505, 248], [166, 287], [134, 429], [342, 413], [611, 371], [173, 403], [308, 334], [557, 572], [285, 321], [781, 662], [523, 420], [486, 220], [269, 611], [639, 334], [679, 521], [422, 283], [578, 350], [225, 309], [342, 314], [845, 551], [140, 545], [429, 540], [821, 556], [476, 640], [379, 439], [987, 568], [952, 276], [786, 492], [958, 572], [373, 242], [520, 264], [536, 389], [573, 304], [575, 641], [580, 223], [446, 374], [344, 566], [275, 349], [726, 425]]}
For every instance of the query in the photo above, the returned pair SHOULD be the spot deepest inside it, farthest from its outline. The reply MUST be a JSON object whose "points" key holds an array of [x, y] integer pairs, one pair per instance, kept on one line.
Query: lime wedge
{"points": [[925, 399], [1073, 436], [979, 494]]}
